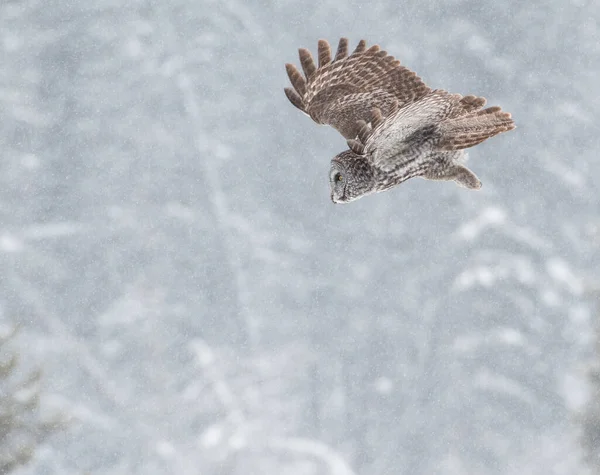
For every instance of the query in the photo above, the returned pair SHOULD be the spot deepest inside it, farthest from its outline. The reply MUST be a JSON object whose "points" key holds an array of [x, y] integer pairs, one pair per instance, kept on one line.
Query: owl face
{"points": [[350, 177]]}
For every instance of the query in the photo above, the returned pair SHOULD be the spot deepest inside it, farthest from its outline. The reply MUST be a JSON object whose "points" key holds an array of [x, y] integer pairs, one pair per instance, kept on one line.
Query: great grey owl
{"points": [[396, 127]]}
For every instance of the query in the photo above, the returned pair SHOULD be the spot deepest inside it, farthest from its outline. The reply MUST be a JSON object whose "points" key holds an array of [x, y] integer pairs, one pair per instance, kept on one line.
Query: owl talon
{"points": [[466, 178]]}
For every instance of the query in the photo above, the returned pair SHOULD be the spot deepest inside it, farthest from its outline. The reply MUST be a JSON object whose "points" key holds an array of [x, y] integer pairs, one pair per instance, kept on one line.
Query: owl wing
{"points": [[344, 90], [439, 119]]}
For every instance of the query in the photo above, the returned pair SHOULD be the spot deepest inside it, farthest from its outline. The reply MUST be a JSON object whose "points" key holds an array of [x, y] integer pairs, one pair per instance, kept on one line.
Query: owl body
{"points": [[352, 176], [396, 127]]}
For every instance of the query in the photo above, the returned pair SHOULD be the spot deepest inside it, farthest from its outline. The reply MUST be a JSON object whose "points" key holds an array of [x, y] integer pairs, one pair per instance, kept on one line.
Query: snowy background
{"points": [[198, 305]]}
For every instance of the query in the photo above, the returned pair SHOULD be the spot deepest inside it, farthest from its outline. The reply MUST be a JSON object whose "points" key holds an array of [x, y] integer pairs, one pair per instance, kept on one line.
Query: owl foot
{"points": [[466, 178]]}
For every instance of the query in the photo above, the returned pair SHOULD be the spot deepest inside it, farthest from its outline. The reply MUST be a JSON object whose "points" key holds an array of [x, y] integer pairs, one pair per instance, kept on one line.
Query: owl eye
{"points": [[339, 177]]}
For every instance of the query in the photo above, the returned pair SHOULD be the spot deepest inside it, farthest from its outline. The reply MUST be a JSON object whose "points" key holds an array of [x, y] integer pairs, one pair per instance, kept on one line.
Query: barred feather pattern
{"points": [[396, 127], [341, 91]]}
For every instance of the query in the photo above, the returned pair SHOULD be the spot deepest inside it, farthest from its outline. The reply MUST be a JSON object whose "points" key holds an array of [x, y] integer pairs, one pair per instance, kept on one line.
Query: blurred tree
{"points": [[589, 418], [158, 190], [22, 428]]}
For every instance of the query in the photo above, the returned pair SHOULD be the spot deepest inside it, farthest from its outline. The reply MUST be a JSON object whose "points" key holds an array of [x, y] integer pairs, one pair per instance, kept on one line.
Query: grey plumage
{"points": [[396, 126]]}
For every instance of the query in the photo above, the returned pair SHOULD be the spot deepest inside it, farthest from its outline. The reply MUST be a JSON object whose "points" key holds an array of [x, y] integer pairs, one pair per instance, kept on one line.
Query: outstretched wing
{"points": [[343, 91], [440, 121]]}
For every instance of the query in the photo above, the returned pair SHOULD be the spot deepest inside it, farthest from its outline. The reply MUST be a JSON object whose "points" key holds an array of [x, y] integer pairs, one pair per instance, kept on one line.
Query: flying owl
{"points": [[396, 127]]}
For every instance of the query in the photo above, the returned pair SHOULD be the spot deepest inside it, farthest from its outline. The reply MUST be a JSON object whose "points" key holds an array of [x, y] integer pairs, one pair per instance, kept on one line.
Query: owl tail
{"points": [[469, 130]]}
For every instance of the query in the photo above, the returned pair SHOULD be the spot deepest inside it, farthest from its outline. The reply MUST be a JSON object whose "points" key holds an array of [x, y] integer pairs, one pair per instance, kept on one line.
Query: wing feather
{"points": [[324, 53], [342, 50], [307, 62], [444, 121], [294, 98], [396, 132], [360, 47], [345, 90], [296, 79]]}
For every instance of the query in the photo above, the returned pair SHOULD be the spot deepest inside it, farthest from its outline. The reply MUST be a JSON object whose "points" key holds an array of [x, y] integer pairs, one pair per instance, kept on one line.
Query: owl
{"points": [[396, 127]]}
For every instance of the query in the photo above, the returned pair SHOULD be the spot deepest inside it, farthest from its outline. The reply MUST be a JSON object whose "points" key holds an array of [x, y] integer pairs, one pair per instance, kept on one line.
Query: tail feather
{"points": [[469, 130]]}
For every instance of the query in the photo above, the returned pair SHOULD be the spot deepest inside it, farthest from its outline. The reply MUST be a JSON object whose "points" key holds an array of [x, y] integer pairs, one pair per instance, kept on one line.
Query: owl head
{"points": [[350, 177]]}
